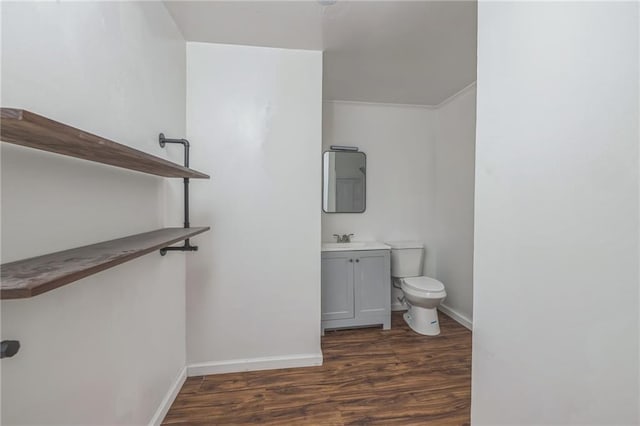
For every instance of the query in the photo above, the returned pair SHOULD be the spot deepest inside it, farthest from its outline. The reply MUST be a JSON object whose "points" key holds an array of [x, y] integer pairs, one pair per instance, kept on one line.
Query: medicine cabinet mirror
{"points": [[344, 176]]}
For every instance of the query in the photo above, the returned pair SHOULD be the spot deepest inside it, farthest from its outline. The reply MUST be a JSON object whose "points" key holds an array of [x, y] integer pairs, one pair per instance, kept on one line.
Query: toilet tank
{"points": [[406, 258]]}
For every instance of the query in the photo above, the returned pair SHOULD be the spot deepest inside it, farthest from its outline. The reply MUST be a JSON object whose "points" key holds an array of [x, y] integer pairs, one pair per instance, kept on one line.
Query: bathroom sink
{"points": [[356, 245], [347, 246]]}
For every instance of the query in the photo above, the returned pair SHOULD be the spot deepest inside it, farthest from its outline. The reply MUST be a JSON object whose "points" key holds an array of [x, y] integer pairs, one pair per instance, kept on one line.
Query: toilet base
{"points": [[423, 320]]}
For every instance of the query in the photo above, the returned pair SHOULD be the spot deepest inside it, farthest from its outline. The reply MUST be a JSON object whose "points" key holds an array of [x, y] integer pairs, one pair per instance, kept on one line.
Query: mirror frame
{"points": [[322, 178]]}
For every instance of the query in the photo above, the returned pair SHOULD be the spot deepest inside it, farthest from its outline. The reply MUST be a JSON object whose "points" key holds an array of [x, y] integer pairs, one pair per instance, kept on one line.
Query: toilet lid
{"points": [[424, 284]]}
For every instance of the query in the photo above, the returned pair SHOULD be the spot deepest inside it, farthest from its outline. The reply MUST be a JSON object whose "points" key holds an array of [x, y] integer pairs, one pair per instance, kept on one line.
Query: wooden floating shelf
{"points": [[25, 128], [30, 277]]}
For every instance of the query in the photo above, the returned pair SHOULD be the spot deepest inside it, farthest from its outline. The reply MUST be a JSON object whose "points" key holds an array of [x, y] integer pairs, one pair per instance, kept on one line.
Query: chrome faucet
{"points": [[344, 238]]}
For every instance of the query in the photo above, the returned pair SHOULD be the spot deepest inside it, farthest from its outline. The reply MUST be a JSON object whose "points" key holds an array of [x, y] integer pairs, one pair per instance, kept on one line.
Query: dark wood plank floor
{"points": [[369, 376]]}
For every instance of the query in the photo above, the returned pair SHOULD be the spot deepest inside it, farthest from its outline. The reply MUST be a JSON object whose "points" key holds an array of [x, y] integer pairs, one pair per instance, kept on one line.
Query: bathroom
{"points": [[419, 185], [507, 191]]}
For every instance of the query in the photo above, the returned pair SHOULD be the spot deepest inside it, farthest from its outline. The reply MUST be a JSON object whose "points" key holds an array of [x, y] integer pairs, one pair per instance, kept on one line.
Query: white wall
{"points": [[399, 142], [556, 222], [455, 163], [105, 349], [253, 296]]}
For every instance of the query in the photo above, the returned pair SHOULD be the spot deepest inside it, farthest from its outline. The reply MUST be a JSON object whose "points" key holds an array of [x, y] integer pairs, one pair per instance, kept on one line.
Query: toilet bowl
{"points": [[422, 294]]}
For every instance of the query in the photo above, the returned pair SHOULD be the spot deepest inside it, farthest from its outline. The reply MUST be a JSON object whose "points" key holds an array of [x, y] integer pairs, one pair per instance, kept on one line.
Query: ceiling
{"points": [[404, 52]]}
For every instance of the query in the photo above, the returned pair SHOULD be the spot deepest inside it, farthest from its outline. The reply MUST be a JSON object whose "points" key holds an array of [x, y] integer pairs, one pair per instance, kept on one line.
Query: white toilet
{"points": [[422, 294]]}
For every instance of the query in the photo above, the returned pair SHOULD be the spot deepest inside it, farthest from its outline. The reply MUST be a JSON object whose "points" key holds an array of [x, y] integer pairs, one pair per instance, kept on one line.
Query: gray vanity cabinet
{"points": [[356, 289], [337, 286]]}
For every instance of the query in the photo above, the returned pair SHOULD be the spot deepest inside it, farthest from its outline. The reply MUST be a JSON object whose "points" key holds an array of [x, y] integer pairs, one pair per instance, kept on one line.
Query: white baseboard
{"points": [[168, 399], [254, 364], [398, 307], [457, 316]]}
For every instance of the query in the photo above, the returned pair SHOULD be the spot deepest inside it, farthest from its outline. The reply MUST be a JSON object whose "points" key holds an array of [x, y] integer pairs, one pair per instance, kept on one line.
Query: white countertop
{"points": [[355, 246]]}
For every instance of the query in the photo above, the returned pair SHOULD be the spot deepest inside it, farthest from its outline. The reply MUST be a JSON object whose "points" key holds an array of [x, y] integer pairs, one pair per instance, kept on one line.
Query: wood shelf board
{"points": [[28, 129], [30, 277]]}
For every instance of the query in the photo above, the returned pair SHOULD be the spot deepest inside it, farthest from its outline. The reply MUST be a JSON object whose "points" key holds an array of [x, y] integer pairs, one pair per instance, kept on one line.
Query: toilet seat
{"points": [[424, 284]]}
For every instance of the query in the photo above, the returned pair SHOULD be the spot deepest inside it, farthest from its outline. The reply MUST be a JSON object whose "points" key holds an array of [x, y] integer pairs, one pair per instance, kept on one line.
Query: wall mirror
{"points": [[344, 176]]}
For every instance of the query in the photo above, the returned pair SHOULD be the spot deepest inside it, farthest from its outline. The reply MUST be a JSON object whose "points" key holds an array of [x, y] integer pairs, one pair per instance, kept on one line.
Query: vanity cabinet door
{"points": [[372, 284], [337, 286]]}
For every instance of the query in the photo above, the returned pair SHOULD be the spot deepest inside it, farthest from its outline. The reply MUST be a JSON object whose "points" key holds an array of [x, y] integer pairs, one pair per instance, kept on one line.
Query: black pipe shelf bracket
{"points": [[162, 140]]}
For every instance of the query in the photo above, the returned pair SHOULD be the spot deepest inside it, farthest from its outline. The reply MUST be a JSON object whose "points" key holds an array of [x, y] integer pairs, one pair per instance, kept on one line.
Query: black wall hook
{"points": [[9, 348]]}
